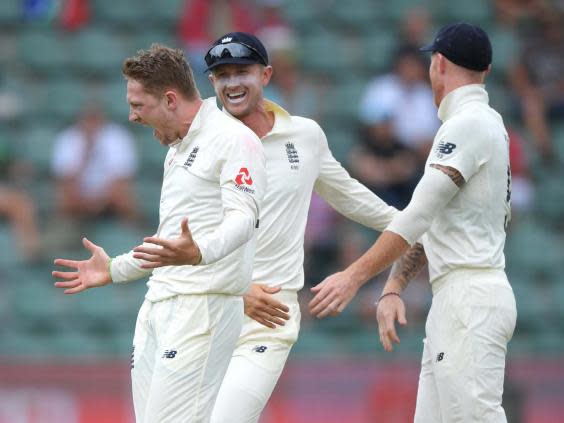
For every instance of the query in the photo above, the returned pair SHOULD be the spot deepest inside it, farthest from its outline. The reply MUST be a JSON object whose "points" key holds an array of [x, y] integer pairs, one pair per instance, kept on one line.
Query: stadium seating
{"points": [[342, 44]]}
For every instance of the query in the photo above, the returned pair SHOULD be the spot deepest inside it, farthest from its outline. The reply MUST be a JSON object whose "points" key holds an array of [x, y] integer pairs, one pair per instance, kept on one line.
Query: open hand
{"points": [[90, 273]]}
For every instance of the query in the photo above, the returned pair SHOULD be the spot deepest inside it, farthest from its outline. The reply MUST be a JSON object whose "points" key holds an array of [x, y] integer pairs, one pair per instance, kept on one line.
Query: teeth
{"points": [[236, 97]]}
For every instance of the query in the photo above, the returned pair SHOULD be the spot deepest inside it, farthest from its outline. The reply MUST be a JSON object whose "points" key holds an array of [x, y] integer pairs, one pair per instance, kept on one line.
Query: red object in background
{"points": [[195, 23], [75, 14], [310, 391]]}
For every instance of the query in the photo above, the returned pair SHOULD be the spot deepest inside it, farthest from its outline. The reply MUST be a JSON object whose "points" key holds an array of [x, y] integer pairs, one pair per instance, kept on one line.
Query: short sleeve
{"points": [[463, 145]]}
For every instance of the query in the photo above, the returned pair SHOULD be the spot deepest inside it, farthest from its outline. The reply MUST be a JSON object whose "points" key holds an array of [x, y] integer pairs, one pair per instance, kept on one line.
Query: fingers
{"points": [[65, 275], [325, 304], [320, 294], [270, 302], [150, 254], [162, 252], [330, 310], [270, 289], [75, 290], [67, 284], [153, 265], [90, 246], [266, 319], [66, 263], [156, 241]]}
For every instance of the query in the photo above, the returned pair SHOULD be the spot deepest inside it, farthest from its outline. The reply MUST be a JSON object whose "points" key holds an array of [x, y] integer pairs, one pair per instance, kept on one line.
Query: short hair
{"points": [[161, 68]]}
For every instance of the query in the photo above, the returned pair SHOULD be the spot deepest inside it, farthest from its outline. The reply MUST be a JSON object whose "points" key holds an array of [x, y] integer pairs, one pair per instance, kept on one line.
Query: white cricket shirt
{"points": [[216, 177], [470, 231], [298, 160]]}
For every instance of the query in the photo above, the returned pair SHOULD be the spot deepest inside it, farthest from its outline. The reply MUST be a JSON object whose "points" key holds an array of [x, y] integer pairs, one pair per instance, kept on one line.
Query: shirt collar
{"points": [[281, 117], [461, 96], [199, 121]]}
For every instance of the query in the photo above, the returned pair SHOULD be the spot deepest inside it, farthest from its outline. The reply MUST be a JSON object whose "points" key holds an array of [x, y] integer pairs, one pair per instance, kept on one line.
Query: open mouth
{"points": [[236, 98]]}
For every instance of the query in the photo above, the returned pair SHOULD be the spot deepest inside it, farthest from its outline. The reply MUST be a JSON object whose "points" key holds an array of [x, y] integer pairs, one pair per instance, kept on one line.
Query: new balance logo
{"points": [[293, 157], [190, 160], [169, 354], [133, 357], [445, 148], [440, 356], [260, 348]]}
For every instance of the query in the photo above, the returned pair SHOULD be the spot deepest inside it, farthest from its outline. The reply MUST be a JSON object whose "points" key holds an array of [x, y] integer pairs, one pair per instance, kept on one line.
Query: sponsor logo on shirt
{"points": [[190, 160], [293, 157], [260, 348], [170, 354], [444, 149], [243, 180]]}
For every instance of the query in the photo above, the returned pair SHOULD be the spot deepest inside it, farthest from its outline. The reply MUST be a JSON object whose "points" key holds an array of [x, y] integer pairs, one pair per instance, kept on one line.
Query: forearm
{"points": [[235, 230], [388, 248], [126, 268], [405, 269]]}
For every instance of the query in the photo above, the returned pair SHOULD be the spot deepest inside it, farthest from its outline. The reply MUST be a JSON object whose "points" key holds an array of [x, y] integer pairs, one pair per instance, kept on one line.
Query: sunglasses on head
{"points": [[234, 50]]}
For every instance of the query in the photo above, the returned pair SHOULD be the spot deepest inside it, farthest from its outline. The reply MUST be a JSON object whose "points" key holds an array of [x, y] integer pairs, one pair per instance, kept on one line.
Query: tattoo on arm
{"points": [[409, 265], [452, 173]]}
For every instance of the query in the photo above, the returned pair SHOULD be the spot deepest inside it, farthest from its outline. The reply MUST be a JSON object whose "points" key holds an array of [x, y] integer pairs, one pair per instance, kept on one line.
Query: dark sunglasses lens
{"points": [[229, 50]]}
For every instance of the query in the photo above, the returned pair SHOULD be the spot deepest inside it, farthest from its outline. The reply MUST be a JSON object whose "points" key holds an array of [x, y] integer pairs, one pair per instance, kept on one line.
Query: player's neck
{"points": [[260, 121]]}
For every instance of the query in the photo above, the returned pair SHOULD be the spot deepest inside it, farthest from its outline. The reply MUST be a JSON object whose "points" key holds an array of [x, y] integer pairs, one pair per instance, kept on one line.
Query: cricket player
{"points": [[298, 161], [459, 209], [214, 174]]}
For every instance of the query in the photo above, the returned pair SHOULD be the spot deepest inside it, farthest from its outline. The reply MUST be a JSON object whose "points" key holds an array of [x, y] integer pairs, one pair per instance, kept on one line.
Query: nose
{"points": [[132, 116]]}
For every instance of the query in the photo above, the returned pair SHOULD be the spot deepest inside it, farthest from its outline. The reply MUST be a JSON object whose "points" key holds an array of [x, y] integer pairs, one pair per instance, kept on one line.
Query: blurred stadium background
{"points": [[66, 359]]}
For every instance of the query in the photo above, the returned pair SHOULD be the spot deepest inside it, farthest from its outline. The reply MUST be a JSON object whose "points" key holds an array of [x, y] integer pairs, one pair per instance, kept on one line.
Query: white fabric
{"points": [[113, 157], [433, 192], [299, 161], [471, 320], [410, 107], [469, 231], [256, 365], [182, 348], [216, 171]]}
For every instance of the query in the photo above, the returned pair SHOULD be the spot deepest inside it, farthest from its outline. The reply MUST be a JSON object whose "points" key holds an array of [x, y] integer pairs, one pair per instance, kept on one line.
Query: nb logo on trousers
{"points": [[169, 354]]}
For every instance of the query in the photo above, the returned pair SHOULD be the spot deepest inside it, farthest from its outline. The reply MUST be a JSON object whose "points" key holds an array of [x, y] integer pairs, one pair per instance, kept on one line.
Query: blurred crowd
{"points": [[95, 160]]}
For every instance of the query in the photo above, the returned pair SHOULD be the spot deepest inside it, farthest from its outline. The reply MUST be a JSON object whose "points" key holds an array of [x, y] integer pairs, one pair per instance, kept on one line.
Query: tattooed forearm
{"points": [[452, 173], [409, 265]]}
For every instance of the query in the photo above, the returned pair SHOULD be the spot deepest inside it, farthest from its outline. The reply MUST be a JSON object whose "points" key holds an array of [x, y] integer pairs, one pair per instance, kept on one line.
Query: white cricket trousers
{"points": [[256, 366], [471, 320], [181, 350]]}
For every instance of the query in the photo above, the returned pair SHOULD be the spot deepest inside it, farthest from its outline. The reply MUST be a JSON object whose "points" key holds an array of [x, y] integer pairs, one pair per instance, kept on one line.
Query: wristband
{"points": [[110, 268], [385, 295]]}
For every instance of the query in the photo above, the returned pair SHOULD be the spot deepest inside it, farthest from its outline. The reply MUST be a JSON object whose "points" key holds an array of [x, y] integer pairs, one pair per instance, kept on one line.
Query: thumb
{"points": [[401, 316], [185, 229], [271, 289], [90, 246]]}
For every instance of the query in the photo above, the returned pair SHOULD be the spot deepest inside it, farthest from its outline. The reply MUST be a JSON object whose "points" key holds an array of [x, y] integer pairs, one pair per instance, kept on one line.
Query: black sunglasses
{"points": [[234, 50]]}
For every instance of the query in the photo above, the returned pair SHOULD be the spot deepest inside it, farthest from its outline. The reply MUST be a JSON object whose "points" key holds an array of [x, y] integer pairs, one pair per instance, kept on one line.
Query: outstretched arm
{"points": [[435, 190]]}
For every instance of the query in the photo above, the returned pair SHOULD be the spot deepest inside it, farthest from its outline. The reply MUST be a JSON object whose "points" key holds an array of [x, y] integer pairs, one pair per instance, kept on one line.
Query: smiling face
{"points": [[152, 110], [240, 87]]}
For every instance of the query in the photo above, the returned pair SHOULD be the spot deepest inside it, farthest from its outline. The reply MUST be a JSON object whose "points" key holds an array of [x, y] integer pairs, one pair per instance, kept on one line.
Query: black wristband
{"points": [[385, 295]]}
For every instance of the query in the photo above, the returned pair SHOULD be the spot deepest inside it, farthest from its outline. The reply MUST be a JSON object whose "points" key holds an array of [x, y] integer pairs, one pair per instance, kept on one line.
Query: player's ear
{"points": [[171, 99], [211, 78], [266, 75], [441, 63]]}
